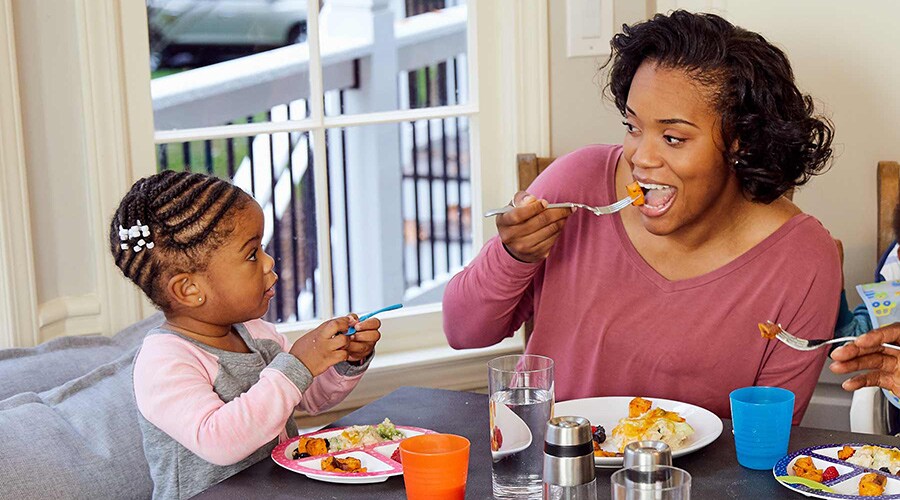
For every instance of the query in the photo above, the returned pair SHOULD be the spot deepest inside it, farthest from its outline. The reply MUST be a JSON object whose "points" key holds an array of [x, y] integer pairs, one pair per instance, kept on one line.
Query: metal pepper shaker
{"points": [[569, 460]]}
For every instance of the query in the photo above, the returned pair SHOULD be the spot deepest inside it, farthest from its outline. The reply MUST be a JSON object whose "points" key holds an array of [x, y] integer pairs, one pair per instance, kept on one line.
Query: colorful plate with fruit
{"points": [[839, 478], [380, 460]]}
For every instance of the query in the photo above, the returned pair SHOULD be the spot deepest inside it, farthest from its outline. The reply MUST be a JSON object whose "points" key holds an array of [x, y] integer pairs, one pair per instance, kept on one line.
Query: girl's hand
{"points": [[867, 353], [529, 231], [325, 346], [362, 343]]}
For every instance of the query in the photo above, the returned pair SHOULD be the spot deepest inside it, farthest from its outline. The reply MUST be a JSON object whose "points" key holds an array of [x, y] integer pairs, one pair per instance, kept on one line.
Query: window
{"points": [[367, 195], [102, 71]]}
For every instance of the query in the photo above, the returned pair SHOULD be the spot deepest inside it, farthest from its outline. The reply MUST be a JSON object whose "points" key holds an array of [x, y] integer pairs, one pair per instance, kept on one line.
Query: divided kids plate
{"points": [[375, 457], [846, 485]]}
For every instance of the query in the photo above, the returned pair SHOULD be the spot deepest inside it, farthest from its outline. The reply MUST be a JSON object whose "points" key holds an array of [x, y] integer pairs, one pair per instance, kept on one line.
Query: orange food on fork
{"points": [[769, 330], [633, 190]]}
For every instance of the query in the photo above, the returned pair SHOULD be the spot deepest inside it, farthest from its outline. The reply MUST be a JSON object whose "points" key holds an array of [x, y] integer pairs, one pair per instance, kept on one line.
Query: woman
{"points": [[663, 300]]}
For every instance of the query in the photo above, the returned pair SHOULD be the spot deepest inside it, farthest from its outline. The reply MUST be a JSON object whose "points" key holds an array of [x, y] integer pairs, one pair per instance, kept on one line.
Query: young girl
{"points": [[215, 385]]}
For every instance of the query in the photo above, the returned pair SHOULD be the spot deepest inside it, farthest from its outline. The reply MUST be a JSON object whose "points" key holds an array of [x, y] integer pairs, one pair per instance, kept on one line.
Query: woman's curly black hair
{"points": [[187, 215], [781, 143]]}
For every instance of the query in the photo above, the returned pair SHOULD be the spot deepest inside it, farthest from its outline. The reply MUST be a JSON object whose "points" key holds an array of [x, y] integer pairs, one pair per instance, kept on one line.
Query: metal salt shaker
{"points": [[646, 453], [569, 460]]}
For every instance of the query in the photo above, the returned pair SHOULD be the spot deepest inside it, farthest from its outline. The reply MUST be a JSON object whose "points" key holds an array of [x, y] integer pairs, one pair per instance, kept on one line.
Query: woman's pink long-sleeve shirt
{"points": [[616, 327], [206, 414]]}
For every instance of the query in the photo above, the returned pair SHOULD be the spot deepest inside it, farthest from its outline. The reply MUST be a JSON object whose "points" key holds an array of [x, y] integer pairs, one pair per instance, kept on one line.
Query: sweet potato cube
{"points": [[872, 485], [846, 452], [638, 406], [633, 190]]}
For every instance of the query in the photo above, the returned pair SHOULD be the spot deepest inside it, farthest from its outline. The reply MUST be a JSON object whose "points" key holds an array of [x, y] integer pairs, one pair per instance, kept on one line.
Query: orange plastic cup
{"points": [[435, 466]]}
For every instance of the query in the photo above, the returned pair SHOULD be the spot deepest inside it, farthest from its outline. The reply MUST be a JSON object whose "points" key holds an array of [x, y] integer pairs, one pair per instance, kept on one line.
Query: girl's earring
{"points": [[199, 299]]}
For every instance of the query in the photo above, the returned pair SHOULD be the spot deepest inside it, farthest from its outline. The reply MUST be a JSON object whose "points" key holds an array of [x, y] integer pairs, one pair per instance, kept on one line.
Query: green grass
{"points": [[165, 72], [197, 155]]}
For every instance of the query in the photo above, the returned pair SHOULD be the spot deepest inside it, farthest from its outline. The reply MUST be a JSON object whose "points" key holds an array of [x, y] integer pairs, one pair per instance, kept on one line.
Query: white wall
{"points": [[79, 153], [843, 53]]}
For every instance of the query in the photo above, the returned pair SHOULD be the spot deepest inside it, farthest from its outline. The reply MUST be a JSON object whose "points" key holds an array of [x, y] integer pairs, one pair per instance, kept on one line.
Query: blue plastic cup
{"points": [[761, 417]]}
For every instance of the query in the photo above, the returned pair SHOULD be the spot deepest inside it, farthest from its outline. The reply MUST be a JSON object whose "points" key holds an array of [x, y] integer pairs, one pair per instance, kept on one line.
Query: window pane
{"points": [[401, 216], [412, 55], [263, 165], [215, 62]]}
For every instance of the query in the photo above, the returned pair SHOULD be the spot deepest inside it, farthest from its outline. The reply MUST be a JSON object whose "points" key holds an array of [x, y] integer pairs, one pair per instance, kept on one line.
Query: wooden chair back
{"points": [[528, 167], [888, 197]]}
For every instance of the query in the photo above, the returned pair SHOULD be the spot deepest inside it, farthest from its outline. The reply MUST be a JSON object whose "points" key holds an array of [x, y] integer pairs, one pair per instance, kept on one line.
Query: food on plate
{"points": [[845, 452], [598, 434], [634, 189], [872, 485], [829, 473], [876, 457], [364, 435], [496, 439], [803, 467], [598, 437], [395, 456], [346, 465], [310, 447], [638, 406], [769, 330], [647, 423]]}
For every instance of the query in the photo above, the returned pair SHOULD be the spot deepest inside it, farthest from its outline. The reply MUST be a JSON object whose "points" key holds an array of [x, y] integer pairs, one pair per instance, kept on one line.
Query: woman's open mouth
{"points": [[270, 292], [658, 198]]}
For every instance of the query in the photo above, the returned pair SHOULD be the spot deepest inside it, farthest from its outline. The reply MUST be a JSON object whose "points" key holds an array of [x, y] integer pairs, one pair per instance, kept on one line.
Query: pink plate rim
{"points": [[278, 455]]}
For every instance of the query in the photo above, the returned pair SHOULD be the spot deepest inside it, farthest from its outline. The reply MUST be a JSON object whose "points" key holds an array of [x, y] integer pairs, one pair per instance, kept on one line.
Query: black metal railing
{"points": [[436, 186]]}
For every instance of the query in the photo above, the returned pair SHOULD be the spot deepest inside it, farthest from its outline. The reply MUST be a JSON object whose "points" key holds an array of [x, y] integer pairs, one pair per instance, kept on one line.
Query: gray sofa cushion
{"points": [[78, 440], [36, 369]]}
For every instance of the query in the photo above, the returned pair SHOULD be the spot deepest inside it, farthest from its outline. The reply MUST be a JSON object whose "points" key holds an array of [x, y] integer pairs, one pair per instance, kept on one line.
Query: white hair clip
{"points": [[138, 231]]}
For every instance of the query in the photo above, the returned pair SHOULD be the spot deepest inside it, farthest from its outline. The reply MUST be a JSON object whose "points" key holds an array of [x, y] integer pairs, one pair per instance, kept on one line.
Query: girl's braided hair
{"points": [[781, 142], [188, 215]]}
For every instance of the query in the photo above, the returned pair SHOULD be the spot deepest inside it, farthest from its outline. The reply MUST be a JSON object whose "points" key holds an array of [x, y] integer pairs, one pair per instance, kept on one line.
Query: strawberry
{"points": [[395, 456], [829, 474]]}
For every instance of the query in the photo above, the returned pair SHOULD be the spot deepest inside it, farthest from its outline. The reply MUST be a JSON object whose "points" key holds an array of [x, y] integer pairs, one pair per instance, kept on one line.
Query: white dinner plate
{"points": [[376, 458], [607, 411]]}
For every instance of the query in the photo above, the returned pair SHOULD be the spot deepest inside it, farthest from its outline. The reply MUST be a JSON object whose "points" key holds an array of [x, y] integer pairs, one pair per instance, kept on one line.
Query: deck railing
{"points": [[432, 220]]}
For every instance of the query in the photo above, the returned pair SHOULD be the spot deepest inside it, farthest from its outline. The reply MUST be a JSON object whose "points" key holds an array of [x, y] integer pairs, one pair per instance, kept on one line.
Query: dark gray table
{"points": [[715, 471]]}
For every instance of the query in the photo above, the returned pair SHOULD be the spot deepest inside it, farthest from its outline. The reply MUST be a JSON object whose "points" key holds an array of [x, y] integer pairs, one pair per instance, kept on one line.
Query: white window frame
{"points": [[508, 113]]}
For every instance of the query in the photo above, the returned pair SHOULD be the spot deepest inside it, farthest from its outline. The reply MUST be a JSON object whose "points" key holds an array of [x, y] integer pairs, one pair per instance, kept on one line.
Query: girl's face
{"points": [[240, 277], [673, 147]]}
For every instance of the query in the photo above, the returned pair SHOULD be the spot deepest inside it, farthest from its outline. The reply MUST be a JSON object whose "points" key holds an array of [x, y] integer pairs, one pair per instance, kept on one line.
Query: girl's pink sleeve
{"points": [[328, 388], [173, 385]]}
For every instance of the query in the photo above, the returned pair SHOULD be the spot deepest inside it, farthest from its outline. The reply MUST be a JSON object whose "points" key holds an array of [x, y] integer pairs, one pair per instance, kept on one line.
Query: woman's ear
{"points": [[183, 290]]}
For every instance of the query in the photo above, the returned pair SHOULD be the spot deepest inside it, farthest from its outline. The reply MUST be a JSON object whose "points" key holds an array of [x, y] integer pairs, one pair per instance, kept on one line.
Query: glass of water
{"points": [[521, 389]]}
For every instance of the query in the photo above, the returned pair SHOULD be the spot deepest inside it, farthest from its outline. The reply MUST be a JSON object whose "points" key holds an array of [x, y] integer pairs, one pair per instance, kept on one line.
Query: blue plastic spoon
{"points": [[364, 317]]}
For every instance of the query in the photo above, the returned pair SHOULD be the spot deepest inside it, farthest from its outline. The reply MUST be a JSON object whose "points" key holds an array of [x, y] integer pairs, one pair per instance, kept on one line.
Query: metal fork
{"points": [[604, 210], [795, 342]]}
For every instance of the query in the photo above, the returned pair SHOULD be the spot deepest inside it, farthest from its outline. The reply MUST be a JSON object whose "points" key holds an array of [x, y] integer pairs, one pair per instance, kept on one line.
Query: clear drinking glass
{"points": [[521, 389], [651, 482]]}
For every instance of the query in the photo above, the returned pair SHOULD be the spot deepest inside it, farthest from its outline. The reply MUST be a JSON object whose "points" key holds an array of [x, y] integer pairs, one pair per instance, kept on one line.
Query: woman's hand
{"points": [[867, 353], [362, 343], [325, 346], [529, 231]]}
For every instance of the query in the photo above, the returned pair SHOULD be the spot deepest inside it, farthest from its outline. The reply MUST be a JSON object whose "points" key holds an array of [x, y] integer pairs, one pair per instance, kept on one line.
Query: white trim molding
{"points": [[117, 145], [70, 315], [439, 368], [18, 291], [511, 77]]}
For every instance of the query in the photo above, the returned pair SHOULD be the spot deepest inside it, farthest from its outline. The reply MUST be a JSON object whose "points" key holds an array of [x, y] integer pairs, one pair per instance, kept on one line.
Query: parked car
{"points": [[212, 28]]}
